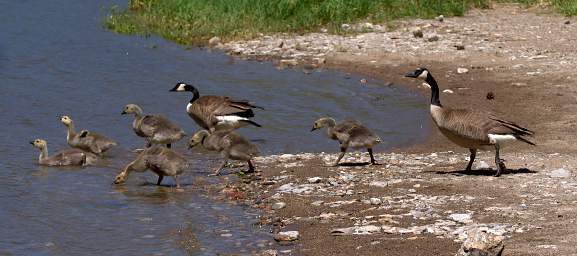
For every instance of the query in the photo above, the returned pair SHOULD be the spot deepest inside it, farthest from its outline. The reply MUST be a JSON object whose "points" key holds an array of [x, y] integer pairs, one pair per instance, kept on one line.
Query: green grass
{"points": [[195, 21]]}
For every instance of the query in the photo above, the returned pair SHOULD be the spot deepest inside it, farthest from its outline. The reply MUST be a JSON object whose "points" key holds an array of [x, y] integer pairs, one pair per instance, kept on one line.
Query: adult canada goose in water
{"points": [[349, 133], [161, 160], [231, 145], [471, 129], [156, 129], [71, 156], [86, 140], [217, 112]]}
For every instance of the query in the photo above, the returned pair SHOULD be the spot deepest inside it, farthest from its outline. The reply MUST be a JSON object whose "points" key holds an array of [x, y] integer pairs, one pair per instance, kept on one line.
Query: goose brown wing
{"points": [[234, 107]]}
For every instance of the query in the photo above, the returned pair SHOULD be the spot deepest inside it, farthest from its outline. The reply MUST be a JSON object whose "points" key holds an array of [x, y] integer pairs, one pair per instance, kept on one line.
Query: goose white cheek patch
{"points": [[180, 88], [424, 75]]}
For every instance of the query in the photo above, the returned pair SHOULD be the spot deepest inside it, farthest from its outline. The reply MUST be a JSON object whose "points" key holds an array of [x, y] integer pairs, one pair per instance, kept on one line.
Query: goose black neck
{"points": [[195, 95], [434, 90]]}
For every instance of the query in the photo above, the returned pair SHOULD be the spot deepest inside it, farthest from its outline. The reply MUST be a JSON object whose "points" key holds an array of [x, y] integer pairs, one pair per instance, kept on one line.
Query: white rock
{"points": [[461, 217], [287, 236], [448, 91], [278, 205], [375, 201], [440, 18], [362, 230], [462, 70], [346, 26], [214, 41], [314, 179], [560, 173], [483, 165], [417, 32], [478, 242]]}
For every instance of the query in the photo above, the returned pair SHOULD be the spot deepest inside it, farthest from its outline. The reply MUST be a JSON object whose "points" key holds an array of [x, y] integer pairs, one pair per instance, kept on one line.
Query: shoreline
{"points": [[408, 205]]}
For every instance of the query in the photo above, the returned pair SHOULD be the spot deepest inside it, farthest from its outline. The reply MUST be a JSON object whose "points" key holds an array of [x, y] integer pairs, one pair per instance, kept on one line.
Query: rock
{"points": [[448, 91], [214, 41], [490, 96], [560, 173], [362, 230], [461, 217], [480, 243], [440, 18], [346, 26], [375, 201], [278, 205], [462, 70], [567, 22], [460, 47], [314, 179], [289, 62], [482, 165], [417, 32], [433, 37], [268, 253], [367, 25], [286, 236]]}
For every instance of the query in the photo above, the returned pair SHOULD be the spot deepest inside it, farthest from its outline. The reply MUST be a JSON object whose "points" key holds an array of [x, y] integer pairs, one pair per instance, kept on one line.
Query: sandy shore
{"points": [[419, 201]]}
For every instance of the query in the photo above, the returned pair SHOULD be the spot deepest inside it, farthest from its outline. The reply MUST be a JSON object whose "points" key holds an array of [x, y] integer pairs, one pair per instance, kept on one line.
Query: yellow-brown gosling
{"points": [[86, 140], [156, 129], [71, 156]]}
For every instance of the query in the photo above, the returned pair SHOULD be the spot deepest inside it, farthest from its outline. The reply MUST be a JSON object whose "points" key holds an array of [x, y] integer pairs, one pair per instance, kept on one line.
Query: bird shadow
{"points": [[486, 172]]}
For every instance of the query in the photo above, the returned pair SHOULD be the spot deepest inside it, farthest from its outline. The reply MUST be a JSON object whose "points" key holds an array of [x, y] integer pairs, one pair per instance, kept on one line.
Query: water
{"points": [[56, 58]]}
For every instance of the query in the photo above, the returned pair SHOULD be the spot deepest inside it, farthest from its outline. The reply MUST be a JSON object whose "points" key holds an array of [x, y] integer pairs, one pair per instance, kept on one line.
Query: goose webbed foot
{"points": [[500, 167]]}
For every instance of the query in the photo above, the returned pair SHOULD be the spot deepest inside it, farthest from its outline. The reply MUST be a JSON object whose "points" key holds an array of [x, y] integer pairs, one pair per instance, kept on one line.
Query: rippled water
{"points": [[56, 58]]}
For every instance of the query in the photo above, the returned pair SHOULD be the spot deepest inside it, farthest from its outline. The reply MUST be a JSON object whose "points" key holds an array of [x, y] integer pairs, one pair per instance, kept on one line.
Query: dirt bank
{"points": [[525, 58]]}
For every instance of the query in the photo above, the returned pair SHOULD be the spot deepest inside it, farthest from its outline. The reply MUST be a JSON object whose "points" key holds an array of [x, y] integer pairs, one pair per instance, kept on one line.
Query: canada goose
{"points": [[349, 133], [217, 112], [71, 156], [162, 161], [86, 140], [155, 128], [231, 145], [471, 129]]}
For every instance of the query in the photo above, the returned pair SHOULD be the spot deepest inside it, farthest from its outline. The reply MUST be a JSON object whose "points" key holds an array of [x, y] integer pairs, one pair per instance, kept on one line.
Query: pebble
{"points": [[314, 179], [462, 70], [560, 173], [448, 91], [417, 32], [226, 235], [286, 236], [479, 242], [482, 165], [375, 201], [440, 18], [461, 217], [433, 37], [278, 205]]}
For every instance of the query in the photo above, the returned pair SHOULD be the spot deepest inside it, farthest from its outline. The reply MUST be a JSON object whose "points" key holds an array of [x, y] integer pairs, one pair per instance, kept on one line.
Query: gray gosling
{"points": [[231, 145], [472, 129], [349, 133], [156, 129], [161, 160], [71, 156], [217, 112], [86, 140]]}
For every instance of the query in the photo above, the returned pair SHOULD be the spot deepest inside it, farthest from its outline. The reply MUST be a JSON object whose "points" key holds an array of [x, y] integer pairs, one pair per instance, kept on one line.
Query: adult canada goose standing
{"points": [[231, 145], [71, 156], [217, 112], [162, 161], [471, 129], [156, 129], [349, 133], [86, 140]]}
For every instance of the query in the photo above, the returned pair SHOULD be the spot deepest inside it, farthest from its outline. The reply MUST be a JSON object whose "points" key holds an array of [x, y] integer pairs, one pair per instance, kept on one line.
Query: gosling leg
{"points": [[373, 162], [217, 170], [160, 177], [343, 151], [499, 162], [250, 167], [471, 158], [175, 177]]}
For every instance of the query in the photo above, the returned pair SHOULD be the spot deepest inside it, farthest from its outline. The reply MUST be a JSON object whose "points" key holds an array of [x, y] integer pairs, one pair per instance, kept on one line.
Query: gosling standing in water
{"points": [[231, 145], [71, 156], [472, 129], [349, 133], [161, 160], [156, 129], [86, 140]]}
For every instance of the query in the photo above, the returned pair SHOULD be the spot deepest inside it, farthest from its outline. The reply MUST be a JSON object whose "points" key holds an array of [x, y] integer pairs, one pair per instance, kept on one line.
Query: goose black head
{"points": [[183, 87], [421, 73]]}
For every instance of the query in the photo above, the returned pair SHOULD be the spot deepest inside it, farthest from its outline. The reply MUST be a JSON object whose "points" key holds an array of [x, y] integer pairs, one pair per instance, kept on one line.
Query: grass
{"points": [[195, 21]]}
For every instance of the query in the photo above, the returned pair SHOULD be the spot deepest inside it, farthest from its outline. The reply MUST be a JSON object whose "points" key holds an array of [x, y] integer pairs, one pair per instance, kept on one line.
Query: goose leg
{"points": [[160, 177], [471, 158], [343, 151], [176, 181], [499, 162], [250, 167], [168, 145], [373, 162]]}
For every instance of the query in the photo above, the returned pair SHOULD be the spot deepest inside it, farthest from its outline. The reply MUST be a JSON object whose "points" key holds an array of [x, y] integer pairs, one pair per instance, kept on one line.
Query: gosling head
{"points": [[183, 87], [120, 178], [197, 138], [420, 73], [66, 120], [323, 122], [38, 143], [131, 109]]}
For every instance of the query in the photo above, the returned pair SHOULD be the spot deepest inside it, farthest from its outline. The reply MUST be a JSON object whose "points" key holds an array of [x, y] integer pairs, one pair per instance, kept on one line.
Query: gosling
{"points": [[156, 129], [161, 160], [349, 133], [231, 145], [86, 140], [66, 157]]}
